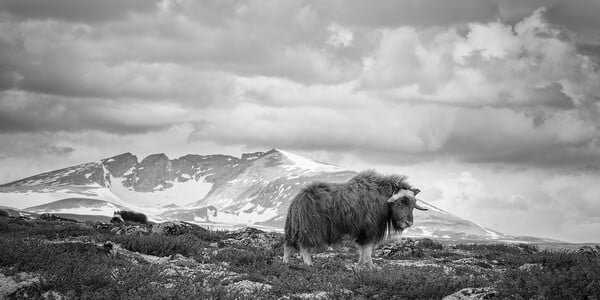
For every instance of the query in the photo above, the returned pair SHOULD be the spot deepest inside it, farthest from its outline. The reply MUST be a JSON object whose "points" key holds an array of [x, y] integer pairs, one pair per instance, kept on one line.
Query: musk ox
{"points": [[367, 208], [125, 215]]}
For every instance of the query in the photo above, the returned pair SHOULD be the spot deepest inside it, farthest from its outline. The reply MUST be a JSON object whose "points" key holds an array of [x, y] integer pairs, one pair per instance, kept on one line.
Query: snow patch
{"points": [[107, 209], [181, 193], [233, 218], [128, 172], [248, 206], [427, 233], [302, 163], [34, 197], [491, 234], [198, 219]]}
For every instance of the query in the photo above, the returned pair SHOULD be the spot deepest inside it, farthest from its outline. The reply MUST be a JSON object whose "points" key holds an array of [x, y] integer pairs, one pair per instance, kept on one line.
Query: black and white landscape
{"points": [[209, 116]]}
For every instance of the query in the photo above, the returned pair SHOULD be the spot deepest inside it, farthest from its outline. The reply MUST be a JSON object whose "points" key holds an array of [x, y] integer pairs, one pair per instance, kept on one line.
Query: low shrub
{"points": [[160, 245], [244, 257], [32, 254], [411, 283], [499, 248], [47, 229], [554, 275], [429, 244], [86, 271]]}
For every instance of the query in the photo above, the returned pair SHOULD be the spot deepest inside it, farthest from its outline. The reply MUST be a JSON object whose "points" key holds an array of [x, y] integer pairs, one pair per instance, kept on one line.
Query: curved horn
{"points": [[419, 207], [394, 198]]}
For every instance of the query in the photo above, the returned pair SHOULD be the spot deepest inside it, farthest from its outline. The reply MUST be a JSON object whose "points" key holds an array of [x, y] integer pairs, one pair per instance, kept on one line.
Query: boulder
{"points": [[131, 230], [178, 228], [245, 288], [252, 237], [400, 249], [53, 217], [473, 294], [11, 284], [589, 251]]}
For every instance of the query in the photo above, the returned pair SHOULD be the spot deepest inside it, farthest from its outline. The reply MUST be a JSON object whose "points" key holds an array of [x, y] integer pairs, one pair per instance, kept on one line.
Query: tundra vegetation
{"points": [[58, 259]]}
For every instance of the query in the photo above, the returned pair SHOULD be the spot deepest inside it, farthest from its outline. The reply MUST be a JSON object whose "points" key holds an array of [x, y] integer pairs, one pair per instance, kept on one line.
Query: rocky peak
{"points": [[119, 164], [155, 160], [152, 173], [253, 155]]}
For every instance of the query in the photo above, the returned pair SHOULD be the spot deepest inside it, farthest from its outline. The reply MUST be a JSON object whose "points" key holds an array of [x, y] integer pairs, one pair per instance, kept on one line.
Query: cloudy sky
{"points": [[491, 107]]}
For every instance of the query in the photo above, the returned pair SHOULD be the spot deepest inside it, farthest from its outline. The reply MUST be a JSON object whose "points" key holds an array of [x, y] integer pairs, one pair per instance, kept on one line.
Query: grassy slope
{"points": [[74, 260]]}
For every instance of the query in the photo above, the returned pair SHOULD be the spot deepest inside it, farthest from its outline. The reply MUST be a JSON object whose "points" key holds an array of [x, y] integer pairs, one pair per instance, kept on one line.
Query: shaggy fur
{"points": [[323, 213], [131, 216]]}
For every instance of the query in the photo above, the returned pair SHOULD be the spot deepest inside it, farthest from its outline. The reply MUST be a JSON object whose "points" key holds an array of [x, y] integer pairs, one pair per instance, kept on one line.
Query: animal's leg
{"points": [[365, 253], [305, 256], [368, 260], [287, 251], [360, 254]]}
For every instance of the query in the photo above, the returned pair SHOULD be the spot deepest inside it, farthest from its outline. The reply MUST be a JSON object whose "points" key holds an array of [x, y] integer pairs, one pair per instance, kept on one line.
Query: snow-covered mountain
{"points": [[251, 189], [207, 189]]}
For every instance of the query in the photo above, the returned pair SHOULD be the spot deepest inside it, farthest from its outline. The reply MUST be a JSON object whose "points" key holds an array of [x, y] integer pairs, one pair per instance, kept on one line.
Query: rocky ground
{"points": [[56, 258]]}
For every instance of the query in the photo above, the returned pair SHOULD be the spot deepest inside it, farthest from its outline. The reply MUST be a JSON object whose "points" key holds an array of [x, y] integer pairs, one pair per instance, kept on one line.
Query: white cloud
{"points": [[339, 36], [494, 64]]}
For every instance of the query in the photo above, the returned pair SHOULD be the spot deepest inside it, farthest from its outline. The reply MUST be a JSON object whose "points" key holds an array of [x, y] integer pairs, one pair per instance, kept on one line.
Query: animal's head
{"points": [[402, 203], [117, 217]]}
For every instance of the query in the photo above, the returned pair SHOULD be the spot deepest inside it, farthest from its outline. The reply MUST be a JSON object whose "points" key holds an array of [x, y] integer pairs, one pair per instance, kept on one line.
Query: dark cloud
{"points": [[88, 11], [513, 11], [576, 157], [63, 71], [591, 50], [390, 13], [557, 157], [578, 16], [258, 38], [27, 112], [416, 133]]}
